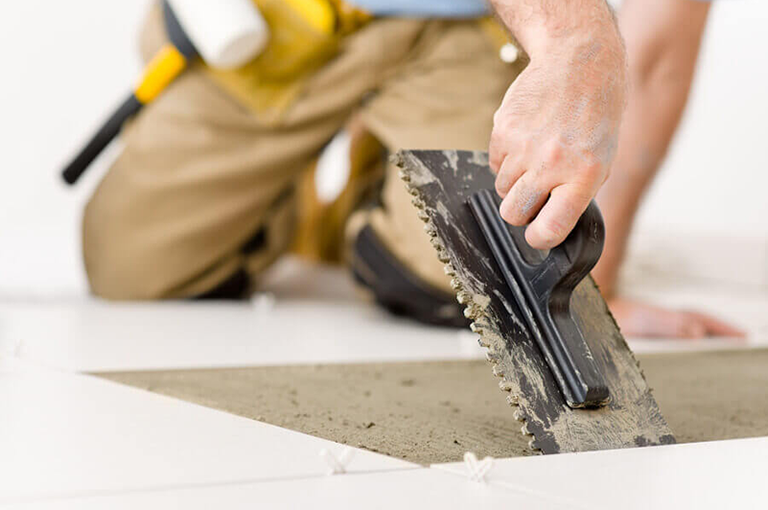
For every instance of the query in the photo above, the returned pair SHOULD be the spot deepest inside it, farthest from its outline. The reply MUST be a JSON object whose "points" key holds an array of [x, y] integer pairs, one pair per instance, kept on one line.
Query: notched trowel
{"points": [[548, 331]]}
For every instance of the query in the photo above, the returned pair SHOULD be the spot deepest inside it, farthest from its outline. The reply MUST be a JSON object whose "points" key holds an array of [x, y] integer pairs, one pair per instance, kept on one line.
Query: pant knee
{"points": [[114, 271]]}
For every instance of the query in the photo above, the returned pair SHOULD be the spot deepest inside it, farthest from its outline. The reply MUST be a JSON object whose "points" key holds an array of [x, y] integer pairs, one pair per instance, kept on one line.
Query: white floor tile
{"points": [[716, 475], [99, 336], [91, 335], [421, 488], [64, 434], [316, 317]]}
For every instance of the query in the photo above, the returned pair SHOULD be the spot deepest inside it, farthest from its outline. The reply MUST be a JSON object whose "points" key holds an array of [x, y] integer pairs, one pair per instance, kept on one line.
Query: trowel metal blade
{"points": [[441, 182]]}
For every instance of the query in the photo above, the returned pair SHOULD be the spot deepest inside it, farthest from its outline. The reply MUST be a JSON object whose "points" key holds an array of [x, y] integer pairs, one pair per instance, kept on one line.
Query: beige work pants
{"points": [[202, 173]]}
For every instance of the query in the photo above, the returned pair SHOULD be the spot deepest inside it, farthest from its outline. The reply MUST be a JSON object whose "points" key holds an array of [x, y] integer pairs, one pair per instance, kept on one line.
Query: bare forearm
{"points": [[650, 122], [662, 60], [663, 39]]}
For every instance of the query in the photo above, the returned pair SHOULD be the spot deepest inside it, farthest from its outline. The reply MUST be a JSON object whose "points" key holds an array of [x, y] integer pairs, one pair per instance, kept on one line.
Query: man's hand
{"points": [[555, 134]]}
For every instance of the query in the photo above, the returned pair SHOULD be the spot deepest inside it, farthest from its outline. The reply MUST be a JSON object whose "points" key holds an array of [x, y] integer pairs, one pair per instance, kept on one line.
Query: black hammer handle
{"points": [[101, 139]]}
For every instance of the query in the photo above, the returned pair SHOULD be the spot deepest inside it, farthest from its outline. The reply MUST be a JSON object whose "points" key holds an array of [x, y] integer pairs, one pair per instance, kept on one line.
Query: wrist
{"points": [[597, 45], [545, 31]]}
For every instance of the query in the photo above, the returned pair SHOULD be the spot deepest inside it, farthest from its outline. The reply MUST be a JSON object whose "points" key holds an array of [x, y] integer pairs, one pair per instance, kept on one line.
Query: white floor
{"points": [[721, 474], [69, 440], [335, 326], [65, 435], [94, 335]]}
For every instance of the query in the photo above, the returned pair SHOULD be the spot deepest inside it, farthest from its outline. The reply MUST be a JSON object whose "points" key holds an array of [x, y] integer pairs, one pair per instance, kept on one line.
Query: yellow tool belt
{"points": [[304, 35]]}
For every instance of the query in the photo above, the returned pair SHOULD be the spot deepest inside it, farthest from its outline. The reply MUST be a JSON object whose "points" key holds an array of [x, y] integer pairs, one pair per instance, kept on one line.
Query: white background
{"points": [[66, 64]]}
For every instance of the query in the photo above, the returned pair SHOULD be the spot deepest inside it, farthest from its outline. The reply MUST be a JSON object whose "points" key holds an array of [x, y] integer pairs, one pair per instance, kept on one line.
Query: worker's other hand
{"points": [[642, 320], [555, 133]]}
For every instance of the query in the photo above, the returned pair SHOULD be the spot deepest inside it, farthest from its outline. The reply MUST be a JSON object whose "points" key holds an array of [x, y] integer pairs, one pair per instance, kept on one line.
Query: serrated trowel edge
{"points": [[472, 311]]}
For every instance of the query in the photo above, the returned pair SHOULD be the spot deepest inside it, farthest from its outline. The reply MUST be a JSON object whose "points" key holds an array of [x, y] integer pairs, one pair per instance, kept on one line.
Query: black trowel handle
{"points": [[583, 246], [542, 288]]}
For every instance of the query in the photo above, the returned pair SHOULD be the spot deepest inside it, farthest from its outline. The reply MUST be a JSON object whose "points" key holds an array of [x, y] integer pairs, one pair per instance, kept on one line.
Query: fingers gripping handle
{"points": [[542, 287]]}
